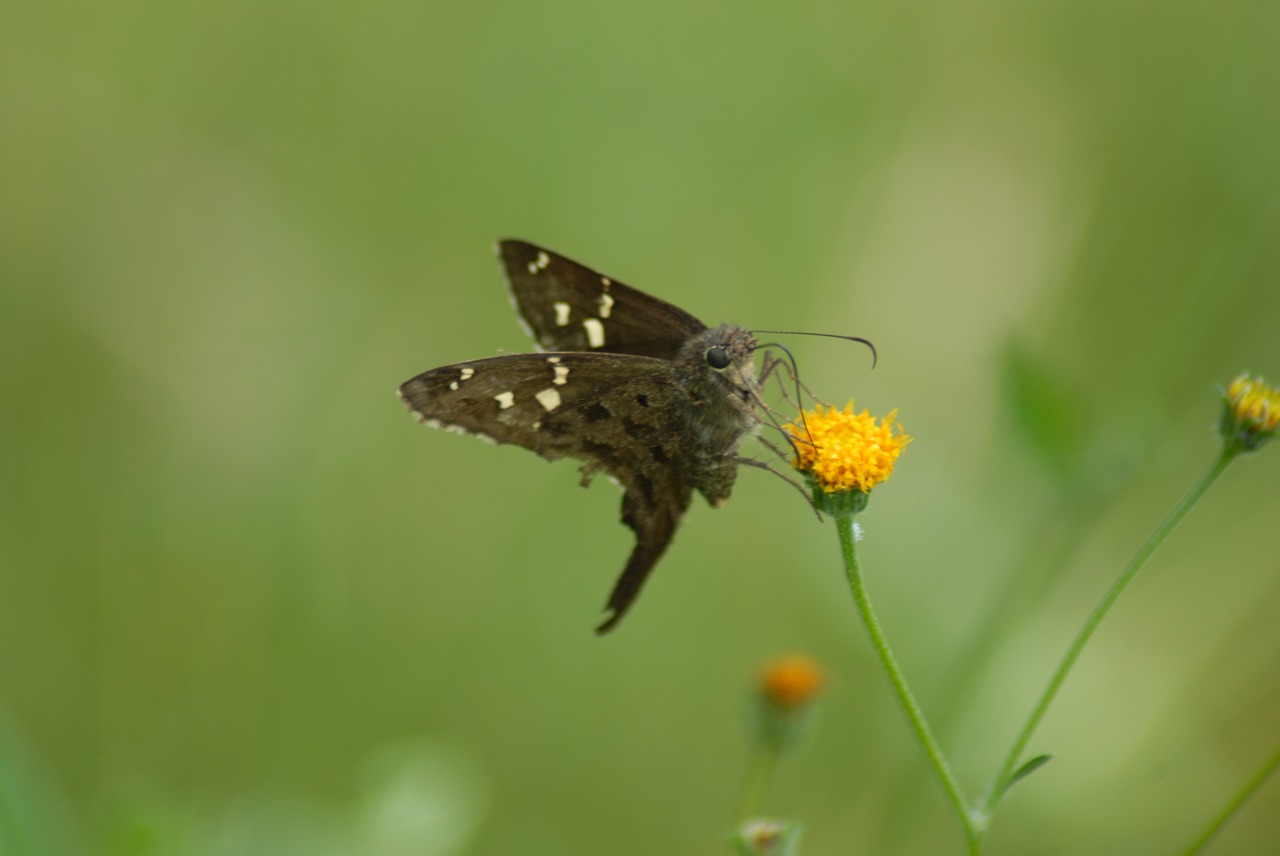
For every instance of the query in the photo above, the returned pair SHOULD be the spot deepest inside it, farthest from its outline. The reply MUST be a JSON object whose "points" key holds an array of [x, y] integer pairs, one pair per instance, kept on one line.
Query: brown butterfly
{"points": [[626, 383]]}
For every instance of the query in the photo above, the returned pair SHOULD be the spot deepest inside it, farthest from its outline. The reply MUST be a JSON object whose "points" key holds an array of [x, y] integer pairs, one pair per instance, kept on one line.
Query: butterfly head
{"points": [[729, 352]]}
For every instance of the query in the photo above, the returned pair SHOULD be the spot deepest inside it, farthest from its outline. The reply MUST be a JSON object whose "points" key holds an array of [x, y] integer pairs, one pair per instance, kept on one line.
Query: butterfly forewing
{"points": [[569, 307], [592, 407]]}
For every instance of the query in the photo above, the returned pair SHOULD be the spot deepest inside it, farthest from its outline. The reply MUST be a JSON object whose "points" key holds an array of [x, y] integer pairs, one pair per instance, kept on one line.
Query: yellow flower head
{"points": [[790, 682], [1250, 412], [843, 451], [786, 690]]}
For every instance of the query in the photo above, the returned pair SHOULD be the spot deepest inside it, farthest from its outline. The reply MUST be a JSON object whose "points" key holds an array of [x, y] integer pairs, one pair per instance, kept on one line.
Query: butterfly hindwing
{"points": [[569, 307]]}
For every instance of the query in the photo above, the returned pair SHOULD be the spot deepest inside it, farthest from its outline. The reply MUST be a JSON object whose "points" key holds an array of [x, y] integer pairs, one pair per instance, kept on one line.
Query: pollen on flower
{"points": [[791, 681], [1251, 411], [843, 450]]}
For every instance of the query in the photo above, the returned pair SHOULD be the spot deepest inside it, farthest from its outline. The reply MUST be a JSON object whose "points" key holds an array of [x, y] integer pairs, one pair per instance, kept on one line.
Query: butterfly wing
{"points": [[569, 307], [617, 414]]}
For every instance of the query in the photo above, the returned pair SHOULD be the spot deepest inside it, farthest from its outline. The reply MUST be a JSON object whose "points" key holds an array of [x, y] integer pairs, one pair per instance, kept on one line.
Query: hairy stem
{"points": [[915, 717]]}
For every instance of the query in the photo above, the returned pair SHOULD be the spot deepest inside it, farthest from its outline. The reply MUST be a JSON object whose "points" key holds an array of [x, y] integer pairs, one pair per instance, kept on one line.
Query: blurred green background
{"points": [[248, 606]]}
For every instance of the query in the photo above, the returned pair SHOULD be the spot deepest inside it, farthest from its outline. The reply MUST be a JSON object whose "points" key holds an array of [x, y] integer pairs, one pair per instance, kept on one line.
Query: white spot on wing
{"points": [[549, 398], [465, 373], [595, 332], [606, 282], [562, 313], [453, 384], [562, 375], [505, 399], [606, 304], [543, 260]]}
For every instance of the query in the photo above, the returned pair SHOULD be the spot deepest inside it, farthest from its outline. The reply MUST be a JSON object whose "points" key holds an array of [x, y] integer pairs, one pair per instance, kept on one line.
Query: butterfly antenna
{"points": [[874, 356]]}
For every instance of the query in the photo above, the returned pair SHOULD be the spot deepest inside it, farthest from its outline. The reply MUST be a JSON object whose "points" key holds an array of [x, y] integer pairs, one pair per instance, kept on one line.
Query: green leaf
{"points": [[1046, 408], [1025, 770]]}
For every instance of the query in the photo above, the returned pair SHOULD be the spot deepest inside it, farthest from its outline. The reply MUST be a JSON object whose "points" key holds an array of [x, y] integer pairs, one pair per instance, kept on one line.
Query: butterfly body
{"points": [[629, 385]]}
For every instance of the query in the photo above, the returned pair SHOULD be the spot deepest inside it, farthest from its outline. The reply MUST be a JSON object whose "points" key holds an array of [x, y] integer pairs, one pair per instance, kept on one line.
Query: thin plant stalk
{"points": [[764, 761], [915, 716], [1234, 805], [1000, 784]]}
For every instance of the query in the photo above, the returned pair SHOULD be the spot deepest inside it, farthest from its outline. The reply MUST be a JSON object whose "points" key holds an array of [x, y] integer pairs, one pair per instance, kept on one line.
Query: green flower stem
{"points": [[763, 762], [844, 526], [1000, 784], [1229, 810]]}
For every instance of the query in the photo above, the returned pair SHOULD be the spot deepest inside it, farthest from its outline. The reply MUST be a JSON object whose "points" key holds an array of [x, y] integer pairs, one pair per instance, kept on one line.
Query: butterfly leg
{"points": [[772, 366], [761, 465]]}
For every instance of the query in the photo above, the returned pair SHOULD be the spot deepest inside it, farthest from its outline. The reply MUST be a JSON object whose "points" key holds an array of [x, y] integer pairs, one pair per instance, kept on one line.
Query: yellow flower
{"points": [[786, 690], [844, 451], [791, 681], [1250, 412]]}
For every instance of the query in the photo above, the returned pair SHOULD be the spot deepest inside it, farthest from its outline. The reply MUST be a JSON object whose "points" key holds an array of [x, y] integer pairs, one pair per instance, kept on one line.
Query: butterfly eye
{"points": [[718, 358]]}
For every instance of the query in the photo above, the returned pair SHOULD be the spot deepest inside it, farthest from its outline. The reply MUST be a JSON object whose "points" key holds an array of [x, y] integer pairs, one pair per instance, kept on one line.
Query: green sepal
{"points": [[781, 729], [1240, 435], [842, 503]]}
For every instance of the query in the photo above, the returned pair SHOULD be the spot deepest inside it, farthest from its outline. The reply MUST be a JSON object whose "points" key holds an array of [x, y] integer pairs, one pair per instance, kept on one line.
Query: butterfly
{"points": [[628, 384]]}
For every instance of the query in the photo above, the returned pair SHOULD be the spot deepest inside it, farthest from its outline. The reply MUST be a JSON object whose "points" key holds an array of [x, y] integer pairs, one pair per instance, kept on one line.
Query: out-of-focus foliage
{"points": [[235, 576]]}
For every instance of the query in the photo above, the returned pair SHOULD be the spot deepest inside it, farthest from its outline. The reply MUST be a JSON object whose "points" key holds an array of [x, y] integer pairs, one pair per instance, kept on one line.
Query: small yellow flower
{"points": [[844, 451], [786, 690], [1250, 412], [791, 681]]}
